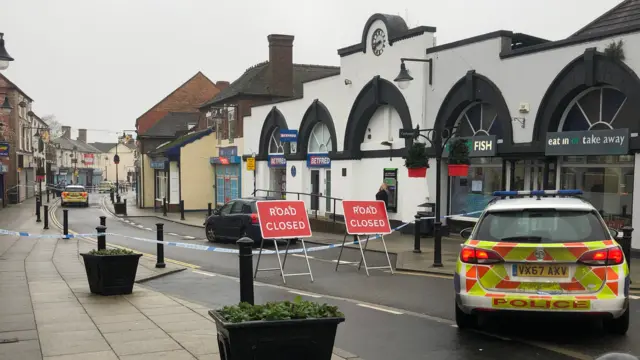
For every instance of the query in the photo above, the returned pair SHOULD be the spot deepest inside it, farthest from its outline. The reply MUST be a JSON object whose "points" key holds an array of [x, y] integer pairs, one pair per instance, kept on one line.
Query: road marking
{"points": [[634, 297], [344, 262], [380, 309], [305, 294], [453, 325], [140, 226], [173, 234], [300, 255], [443, 276], [147, 228], [189, 237], [203, 273]]}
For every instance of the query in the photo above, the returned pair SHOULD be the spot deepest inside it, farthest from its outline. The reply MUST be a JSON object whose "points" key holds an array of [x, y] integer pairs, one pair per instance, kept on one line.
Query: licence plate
{"points": [[557, 271]]}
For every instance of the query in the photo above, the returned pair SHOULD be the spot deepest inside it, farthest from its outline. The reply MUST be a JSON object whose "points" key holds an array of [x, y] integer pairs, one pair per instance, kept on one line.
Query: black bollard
{"points": [[118, 198], [46, 217], [246, 269], [102, 238], [208, 209], [416, 235], [181, 209], [164, 206], [38, 205], [65, 222], [125, 207], [625, 242], [47, 196], [103, 220], [111, 195], [160, 249]]}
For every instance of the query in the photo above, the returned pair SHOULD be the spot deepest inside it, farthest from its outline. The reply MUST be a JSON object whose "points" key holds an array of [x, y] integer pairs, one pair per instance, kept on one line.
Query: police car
{"points": [[542, 251]]}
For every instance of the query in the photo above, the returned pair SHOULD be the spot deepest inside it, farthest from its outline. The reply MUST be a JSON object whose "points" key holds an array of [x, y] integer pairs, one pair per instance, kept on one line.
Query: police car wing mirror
{"points": [[466, 233], [615, 233]]}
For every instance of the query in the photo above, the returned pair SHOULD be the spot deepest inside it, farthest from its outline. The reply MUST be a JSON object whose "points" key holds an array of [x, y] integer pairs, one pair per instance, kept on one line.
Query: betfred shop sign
{"points": [[367, 217], [283, 219]]}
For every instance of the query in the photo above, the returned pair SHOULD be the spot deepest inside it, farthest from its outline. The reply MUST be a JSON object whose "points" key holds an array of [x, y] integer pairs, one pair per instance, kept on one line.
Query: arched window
{"points": [[275, 146], [594, 109], [320, 139], [479, 119]]}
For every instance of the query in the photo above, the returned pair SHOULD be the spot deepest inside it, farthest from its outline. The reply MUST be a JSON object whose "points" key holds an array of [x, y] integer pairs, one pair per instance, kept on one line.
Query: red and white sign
{"points": [[283, 219], [88, 159], [368, 217]]}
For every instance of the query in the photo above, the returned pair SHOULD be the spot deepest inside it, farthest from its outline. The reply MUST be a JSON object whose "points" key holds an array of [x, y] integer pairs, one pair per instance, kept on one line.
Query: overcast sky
{"points": [[101, 64]]}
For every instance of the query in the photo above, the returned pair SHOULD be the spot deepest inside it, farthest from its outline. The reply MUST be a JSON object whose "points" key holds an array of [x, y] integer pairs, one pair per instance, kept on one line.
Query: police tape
{"points": [[214, 248]]}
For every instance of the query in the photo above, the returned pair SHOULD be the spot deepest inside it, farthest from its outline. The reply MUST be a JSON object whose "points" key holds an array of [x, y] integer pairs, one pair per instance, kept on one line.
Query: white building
{"points": [[547, 107]]}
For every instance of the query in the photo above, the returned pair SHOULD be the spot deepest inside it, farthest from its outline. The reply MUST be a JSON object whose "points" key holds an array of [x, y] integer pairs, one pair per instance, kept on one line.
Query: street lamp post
{"points": [[106, 168], [438, 139], [5, 58]]}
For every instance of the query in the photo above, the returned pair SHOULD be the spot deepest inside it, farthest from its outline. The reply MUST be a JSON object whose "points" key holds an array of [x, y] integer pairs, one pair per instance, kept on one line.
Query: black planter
{"points": [[308, 339], [111, 274], [120, 208]]}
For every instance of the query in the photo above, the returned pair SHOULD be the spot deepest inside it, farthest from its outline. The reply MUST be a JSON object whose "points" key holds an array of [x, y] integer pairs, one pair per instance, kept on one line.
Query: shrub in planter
{"points": [[459, 158], [111, 271], [284, 330], [417, 161]]}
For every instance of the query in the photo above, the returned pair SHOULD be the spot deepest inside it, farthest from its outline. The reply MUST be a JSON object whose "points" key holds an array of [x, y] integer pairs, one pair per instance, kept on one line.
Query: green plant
{"points": [[459, 152], [111, 252], [615, 50], [281, 310], [417, 156]]}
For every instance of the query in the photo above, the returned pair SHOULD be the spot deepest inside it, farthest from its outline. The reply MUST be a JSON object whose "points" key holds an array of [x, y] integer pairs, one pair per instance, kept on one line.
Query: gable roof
{"points": [[16, 87], [173, 92], [68, 144], [172, 148], [624, 15], [254, 81], [172, 123], [104, 147]]}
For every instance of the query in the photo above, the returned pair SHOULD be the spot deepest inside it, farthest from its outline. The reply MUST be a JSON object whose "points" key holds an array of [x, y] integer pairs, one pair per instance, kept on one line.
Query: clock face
{"points": [[378, 42]]}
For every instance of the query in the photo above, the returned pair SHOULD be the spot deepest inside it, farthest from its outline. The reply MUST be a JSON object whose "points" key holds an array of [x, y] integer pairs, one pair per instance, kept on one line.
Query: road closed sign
{"points": [[366, 217], [283, 219]]}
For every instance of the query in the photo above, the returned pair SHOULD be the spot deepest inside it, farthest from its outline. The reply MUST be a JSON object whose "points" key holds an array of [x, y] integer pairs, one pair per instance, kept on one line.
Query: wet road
{"points": [[409, 294]]}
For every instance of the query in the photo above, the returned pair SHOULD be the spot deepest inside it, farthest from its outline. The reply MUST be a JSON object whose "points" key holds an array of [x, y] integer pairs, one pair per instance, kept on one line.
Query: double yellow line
{"points": [[54, 221]]}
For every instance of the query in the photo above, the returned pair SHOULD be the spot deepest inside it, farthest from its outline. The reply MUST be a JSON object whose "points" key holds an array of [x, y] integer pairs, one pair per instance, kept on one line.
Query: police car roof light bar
{"points": [[538, 193]]}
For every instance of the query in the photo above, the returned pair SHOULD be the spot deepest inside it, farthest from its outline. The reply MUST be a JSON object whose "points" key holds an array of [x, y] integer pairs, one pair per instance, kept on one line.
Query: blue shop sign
{"points": [[277, 161], [4, 149], [288, 135], [318, 161], [225, 160], [228, 151], [157, 164]]}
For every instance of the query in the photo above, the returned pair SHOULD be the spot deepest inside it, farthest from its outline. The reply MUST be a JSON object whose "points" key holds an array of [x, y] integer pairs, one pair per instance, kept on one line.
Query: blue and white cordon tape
{"points": [[214, 248]]}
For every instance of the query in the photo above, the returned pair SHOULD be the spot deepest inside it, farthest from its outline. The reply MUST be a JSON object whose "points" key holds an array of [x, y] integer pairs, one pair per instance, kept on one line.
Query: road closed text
{"points": [[367, 223], [285, 225], [541, 304]]}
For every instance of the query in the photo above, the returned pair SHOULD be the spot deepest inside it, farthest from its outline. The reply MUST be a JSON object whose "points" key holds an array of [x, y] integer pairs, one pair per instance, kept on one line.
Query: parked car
{"points": [[74, 194], [236, 219]]}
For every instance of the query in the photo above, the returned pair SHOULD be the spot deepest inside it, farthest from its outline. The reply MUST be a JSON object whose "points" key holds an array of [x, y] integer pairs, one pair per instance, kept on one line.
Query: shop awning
{"points": [[172, 149]]}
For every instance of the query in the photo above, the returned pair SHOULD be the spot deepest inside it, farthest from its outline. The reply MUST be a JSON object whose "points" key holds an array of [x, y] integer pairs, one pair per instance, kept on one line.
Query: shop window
{"points": [[473, 193], [227, 183], [161, 185], [608, 188], [275, 146], [595, 109], [479, 119]]}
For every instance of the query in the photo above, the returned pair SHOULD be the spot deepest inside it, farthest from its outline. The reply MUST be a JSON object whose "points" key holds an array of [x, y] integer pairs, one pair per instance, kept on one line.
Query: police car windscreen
{"points": [[541, 226]]}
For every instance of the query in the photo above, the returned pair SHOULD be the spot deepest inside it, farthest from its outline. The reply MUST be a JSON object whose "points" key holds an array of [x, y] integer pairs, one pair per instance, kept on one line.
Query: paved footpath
{"points": [[48, 312]]}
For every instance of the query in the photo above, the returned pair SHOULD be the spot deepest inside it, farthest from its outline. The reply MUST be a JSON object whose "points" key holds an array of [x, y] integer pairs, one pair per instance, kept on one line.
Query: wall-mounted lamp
{"points": [[390, 145], [5, 58], [347, 82], [521, 120]]}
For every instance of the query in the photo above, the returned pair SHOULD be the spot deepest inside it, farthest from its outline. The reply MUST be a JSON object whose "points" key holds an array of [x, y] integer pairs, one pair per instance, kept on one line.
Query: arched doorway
{"points": [[277, 165], [470, 194], [319, 146], [586, 123], [606, 180]]}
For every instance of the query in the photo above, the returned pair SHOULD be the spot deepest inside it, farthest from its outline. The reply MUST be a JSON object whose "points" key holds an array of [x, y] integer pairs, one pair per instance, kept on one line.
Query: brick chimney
{"points": [[221, 85], [66, 132], [281, 64], [82, 135]]}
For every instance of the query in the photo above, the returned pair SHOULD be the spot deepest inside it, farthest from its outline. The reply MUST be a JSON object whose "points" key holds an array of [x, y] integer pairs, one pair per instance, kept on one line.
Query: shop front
{"points": [[227, 169], [160, 168]]}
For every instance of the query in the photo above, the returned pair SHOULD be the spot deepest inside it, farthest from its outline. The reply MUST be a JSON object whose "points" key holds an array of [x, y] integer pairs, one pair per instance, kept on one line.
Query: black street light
{"points": [[404, 78], [5, 58], [6, 108], [438, 140]]}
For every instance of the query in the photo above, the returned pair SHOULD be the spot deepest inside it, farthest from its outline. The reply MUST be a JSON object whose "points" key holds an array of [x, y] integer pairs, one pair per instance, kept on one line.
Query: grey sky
{"points": [[101, 64]]}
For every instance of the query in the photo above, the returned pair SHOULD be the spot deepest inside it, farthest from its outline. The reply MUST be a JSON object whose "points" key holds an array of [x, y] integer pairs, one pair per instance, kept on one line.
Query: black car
{"points": [[236, 219]]}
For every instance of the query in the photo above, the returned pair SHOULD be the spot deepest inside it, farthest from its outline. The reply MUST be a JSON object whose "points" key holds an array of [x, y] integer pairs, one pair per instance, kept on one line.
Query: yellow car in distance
{"points": [[105, 187], [74, 194]]}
